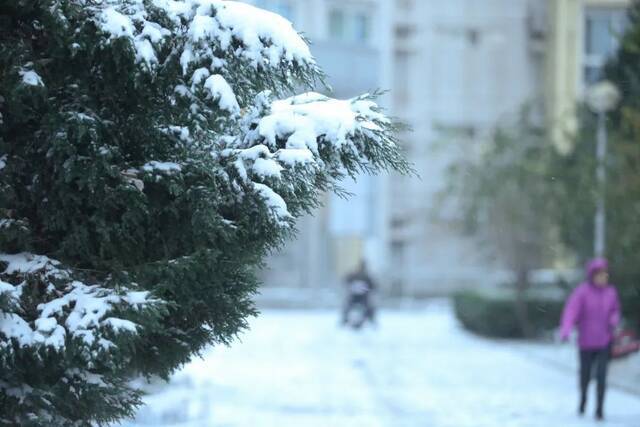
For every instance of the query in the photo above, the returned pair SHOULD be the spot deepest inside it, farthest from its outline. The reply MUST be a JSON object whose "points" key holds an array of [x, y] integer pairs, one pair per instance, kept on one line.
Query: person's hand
{"points": [[561, 337]]}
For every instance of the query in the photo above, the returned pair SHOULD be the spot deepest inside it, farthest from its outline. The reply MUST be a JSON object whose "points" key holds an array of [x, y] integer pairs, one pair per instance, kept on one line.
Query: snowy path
{"points": [[298, 369]]}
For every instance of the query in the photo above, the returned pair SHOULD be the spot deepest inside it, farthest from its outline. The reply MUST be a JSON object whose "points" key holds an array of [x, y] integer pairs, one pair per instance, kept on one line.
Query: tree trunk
{"points": [[522, 285]]}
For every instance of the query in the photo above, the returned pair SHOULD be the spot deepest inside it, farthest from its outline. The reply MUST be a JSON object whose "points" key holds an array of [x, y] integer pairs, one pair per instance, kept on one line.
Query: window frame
{"points": [[596, 61]]}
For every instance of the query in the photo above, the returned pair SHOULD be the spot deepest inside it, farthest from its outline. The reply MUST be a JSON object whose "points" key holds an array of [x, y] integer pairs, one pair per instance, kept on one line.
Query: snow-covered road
{"points": [[297, 368]]}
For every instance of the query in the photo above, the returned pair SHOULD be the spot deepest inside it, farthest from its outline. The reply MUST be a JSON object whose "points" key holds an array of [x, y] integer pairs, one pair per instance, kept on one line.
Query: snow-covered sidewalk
{"points": [[297, 368]]}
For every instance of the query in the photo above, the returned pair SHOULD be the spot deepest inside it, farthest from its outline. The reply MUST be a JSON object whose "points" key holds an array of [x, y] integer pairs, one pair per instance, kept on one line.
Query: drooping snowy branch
{"points": [[209, 35], [311, 135], [73, 311], [31, 78]]}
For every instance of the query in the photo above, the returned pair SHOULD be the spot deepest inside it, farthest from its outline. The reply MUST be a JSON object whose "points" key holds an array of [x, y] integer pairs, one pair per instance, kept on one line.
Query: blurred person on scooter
{"points": [[359, 287]]}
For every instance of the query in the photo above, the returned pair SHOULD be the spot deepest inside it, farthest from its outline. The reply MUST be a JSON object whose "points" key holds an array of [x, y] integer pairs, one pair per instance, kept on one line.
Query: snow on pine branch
{"points": [[216, 40], [311, 133], [303, 119], [31, 78], [73, 310], [208, 34]]}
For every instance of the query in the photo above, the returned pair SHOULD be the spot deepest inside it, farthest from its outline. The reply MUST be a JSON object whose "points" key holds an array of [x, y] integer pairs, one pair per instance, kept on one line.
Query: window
{"points": [[347, 25], [603, 27], [361, 27], [336, 24], [401, 71]]}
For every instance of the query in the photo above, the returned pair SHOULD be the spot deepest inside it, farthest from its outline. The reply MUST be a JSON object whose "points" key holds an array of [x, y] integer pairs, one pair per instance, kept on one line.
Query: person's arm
{"points": [[570, 314], [347, 280], [372, 284], [615, 316]]}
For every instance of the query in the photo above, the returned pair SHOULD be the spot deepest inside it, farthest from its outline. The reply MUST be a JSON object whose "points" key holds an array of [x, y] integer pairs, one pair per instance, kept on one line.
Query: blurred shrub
{"points": [[494, 313]]}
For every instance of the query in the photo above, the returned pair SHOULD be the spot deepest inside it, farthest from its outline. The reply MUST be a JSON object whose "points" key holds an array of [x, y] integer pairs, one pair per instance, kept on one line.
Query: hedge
{"points": [[493, 313]]}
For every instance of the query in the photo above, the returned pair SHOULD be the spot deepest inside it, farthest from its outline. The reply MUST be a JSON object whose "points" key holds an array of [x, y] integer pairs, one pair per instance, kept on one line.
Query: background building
{"points": [[460, 68], [352, 41], [455, 70], [582, 35]]}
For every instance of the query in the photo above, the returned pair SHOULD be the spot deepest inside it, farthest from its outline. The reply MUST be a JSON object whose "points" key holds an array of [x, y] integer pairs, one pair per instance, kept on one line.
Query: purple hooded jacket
{"points": [[594, 310]]}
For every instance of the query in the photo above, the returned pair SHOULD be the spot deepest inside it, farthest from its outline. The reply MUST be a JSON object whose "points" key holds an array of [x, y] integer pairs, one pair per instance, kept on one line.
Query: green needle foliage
{"points": [[145, 172]]}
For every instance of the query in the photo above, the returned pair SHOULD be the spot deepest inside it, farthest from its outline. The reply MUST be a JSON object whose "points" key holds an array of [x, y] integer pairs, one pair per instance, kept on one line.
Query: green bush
{"points": [[494, 313]]}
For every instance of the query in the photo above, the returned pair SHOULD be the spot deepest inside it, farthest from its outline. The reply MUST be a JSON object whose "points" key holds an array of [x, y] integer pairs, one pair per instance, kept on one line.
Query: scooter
{"points": [[358, 314]]}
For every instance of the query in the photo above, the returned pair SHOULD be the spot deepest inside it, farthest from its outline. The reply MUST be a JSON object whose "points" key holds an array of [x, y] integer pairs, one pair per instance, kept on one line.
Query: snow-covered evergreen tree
{"points": [[151, 154]]}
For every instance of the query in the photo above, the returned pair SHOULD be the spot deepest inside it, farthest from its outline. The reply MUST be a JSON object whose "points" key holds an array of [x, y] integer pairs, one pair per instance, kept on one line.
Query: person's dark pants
{"points": [[594, 361], [352, 302]]}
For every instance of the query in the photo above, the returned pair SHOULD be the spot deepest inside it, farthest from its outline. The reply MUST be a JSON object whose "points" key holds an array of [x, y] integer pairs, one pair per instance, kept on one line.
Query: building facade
{"points": [[351, 40], [455, 70], [461, 67], [582, 36]]}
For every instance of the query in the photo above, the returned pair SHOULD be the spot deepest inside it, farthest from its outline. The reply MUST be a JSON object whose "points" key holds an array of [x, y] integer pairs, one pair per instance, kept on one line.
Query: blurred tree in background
{"points": [[503, 195], [527, 200], [575, 188]]}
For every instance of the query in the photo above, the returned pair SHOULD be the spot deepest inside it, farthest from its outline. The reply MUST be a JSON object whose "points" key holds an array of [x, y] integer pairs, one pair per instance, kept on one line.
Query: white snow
{"points": [[6, 287], [199, 75], [264, 35], [89, 377], [14, 326], [27, 263], [253, 25], [294, 156], [53, 335], [155, 32], [303, 118], [31, 78], [145, 52], [302, 123], [267, 168], [89, 308], [175, 8], [255, 152], [183, 133], [137, 298], [222, 92], [419, 368], [205, 27], [77, 309], [259, 159], [266, 39], [273, 201], [46, 324], [166, 167], [116, 23], [3, 161], [120, 324]]}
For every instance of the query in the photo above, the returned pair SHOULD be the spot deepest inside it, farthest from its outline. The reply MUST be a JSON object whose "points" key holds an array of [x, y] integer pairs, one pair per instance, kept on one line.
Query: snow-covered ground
{"points": [[297, 368]]}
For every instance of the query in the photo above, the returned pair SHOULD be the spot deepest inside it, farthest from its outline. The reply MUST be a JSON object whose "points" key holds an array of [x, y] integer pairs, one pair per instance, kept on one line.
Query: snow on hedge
{"points": [[73, 309]]}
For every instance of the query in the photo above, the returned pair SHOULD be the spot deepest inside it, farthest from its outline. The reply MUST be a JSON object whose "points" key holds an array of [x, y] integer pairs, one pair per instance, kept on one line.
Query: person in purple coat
{"points": [[594, 308]]}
